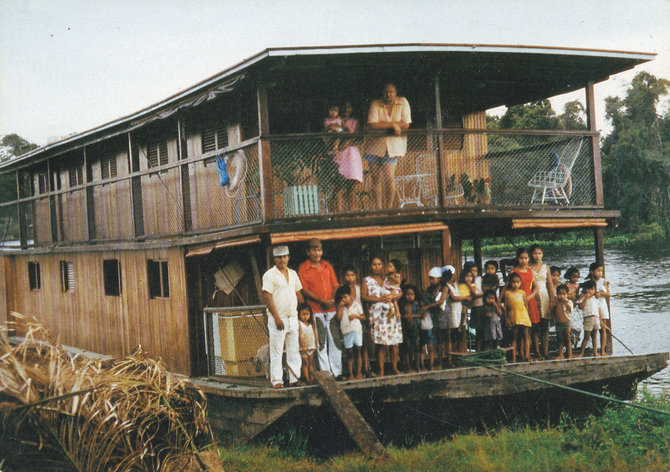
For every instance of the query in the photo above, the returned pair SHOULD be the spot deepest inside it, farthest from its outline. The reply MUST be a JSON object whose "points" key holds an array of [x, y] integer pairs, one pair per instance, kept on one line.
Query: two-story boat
{"points": [[123, 235]]}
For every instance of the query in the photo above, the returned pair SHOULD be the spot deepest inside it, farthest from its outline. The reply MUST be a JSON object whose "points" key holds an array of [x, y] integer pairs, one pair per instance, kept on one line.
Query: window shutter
{"points": [[153, 155], [208, 140], [163, 153]]}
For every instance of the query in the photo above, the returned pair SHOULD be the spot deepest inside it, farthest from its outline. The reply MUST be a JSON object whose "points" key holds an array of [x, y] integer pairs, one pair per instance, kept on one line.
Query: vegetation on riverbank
{"points": [[647, 233], [622, 439]]}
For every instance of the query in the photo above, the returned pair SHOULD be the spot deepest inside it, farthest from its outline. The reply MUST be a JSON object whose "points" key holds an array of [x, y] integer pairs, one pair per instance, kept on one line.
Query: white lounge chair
{"points": [[554, 182]]}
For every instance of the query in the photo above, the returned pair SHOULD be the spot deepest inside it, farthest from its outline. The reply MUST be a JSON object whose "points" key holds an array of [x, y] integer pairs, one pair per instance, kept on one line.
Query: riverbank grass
{"points": [[622, 439]]}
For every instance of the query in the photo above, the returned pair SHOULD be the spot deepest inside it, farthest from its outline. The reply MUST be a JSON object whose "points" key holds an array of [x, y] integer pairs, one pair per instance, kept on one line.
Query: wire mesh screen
{"points": [[237, 341], [325, 173], [238, 201], [9, 225]]}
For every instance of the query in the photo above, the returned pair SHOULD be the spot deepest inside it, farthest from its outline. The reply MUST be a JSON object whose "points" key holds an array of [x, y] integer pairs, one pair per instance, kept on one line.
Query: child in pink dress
{"points": [[349, 162]]}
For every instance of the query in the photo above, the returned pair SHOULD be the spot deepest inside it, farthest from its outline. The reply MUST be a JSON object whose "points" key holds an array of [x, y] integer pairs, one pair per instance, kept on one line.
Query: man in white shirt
{"points": [[394, 115], [281, 293]]}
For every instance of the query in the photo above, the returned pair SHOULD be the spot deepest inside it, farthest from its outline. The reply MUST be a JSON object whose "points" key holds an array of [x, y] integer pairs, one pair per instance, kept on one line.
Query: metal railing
{"points": [[317, 174], [236, 341]]}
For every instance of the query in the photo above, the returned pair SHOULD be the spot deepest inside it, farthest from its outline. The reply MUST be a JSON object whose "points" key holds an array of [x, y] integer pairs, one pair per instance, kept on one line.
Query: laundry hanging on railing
{"points": [[224, 178]]}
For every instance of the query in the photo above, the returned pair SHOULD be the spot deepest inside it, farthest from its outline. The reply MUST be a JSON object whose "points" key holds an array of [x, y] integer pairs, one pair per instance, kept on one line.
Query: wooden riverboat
{"points": [[122, 235]]}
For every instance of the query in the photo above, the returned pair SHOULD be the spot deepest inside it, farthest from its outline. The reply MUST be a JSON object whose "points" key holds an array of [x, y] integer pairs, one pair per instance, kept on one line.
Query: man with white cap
{"points": [[319, 283], [282, 292]]}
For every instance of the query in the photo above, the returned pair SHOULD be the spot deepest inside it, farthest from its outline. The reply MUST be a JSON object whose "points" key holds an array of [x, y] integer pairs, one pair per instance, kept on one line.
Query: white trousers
{"points": [[330, 357], [278, 339]]}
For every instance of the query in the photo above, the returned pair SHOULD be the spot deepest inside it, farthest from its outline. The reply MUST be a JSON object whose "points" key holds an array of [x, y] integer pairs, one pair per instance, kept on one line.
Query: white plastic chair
{"points": [[553, 182], [421, 188]]}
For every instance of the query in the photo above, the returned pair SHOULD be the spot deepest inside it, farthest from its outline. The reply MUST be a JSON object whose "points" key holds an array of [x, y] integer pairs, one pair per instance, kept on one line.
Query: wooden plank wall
{"points": [[6, 287], [74, 216], [210, 205], [113, 325], [468, 158], [42, 222], [113, 206]]}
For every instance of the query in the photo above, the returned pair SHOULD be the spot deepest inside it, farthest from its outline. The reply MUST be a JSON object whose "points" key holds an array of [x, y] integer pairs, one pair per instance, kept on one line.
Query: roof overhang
{"points": [[483, 76]]}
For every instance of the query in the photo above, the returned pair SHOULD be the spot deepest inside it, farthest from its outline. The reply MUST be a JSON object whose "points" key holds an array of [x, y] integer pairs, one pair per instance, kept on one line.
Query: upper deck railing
{"points": [[312, 175]]}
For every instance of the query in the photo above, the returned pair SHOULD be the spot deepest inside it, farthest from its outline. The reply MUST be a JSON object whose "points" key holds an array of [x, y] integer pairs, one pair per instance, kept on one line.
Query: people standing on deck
{"points": [[529, 286], [467, 290], [590, 311], [281, 293], [517, 318], [308, 337], [545, 295], [350, 315], [392, 114], [603, 295], [386, 331], [435, 305], [349, 162], [562, 311], [410, 308], [477, 305], [318, 285]]}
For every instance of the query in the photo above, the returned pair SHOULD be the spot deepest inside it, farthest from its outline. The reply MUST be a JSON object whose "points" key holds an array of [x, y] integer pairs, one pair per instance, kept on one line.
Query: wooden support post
{"points": [[184, 176], [90, 197], [477, 246], [451, 249], [21, 214], [53, 214], [265, 162], [364, 437], [595, 144], [136, 188], [441, 166], [257, 275]]}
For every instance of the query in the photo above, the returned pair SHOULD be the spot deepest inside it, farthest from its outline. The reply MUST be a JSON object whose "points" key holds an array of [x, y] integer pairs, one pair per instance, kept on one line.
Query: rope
{"points": [[571, 389]]}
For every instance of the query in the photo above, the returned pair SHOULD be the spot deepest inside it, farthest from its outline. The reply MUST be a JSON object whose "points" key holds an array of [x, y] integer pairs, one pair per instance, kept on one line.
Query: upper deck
{"points": [[153, 175]]}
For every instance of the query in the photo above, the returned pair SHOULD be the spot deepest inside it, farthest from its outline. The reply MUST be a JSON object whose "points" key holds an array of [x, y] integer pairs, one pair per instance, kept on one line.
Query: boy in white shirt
{"points": [[350, 313]]}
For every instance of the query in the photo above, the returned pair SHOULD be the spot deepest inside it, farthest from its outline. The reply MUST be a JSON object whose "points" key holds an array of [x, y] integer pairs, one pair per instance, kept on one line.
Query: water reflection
{"points": [[640, 284]]}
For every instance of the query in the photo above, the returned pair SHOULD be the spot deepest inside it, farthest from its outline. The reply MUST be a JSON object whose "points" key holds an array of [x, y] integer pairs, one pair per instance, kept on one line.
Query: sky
{"points": [[67, 66]]}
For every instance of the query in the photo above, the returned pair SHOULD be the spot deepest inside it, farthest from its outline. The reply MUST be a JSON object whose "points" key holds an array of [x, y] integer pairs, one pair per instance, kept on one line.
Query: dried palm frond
{"points": [[59, 412]]}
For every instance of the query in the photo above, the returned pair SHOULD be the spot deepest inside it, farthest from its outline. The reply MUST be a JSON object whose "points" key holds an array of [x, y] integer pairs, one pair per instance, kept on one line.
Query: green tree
{"points": [[636, 155], [540, 115]]}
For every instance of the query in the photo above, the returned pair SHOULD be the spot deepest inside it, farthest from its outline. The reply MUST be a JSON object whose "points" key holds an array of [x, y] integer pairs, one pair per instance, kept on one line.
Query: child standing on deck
{"points": [[467, 290], [491, 313], [516, 315], [350, 314], [603, 295], [589, 306], [555, 273], [351, 281], [307, 337], [562, 310], [572, 277], [411, 320]]}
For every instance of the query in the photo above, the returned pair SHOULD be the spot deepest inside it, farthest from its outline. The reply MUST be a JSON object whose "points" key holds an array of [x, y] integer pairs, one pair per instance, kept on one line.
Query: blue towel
{"points": [[224, 178]]}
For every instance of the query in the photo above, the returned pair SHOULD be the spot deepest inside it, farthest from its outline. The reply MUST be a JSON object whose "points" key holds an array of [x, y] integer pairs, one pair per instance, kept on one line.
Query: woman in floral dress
{"points": [[385, 330]]}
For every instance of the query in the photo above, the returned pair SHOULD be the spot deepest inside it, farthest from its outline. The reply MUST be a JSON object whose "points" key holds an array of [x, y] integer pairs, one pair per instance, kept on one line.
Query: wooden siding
{"points": [[42, 222], [6, 287], [114, 325], [74, 216]]}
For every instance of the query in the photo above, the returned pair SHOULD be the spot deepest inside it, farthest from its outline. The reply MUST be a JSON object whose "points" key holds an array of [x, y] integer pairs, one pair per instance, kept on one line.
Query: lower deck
{"points": [[239, 413]]}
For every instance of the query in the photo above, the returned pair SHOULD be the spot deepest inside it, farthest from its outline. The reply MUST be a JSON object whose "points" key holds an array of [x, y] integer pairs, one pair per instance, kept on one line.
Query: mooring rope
{"points": [[480, 363]]}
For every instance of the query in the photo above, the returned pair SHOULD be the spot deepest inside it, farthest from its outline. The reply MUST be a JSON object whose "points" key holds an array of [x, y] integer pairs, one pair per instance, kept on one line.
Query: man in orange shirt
{"points": [[318, 286]]}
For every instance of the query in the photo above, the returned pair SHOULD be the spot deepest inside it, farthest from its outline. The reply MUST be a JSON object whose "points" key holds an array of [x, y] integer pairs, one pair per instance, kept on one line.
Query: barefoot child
{"points": [[307, 337], [555, 272], [351, 281], [589, 306], [467, 290], [491, 312], [603, 295], [516, 315], [426, 341], [562, 311], [350, 314], [572, 277], [411, 319]]}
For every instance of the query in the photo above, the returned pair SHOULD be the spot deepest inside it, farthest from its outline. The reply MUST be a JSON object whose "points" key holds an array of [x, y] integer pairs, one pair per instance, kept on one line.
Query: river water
{"points": [[639, 279]]}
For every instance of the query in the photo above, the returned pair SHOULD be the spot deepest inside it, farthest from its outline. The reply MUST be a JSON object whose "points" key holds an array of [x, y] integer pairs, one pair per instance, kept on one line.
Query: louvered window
{"points": [[67, 276], [76, 176], [214, 137], [108, 165], [157, 154]]}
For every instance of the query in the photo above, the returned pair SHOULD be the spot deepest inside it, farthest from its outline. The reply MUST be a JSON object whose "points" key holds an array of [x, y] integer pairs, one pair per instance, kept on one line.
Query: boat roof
{"points": [[497, 75]]}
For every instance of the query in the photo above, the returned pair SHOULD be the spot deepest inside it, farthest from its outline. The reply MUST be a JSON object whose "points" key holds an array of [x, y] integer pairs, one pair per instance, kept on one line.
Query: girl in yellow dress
{"points": [[516, 315]]}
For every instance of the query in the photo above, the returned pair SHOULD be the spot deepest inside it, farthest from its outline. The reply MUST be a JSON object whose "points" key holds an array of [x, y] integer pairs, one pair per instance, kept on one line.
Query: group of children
{"points": [[435, 321]]}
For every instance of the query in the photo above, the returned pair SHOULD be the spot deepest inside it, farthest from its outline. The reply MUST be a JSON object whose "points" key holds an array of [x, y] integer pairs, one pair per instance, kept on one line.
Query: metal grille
{"points": [[237, 341]]}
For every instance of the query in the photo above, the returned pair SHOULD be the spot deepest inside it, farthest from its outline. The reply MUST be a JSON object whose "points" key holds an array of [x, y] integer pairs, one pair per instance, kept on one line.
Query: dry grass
{"points": [[64, 413]]}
